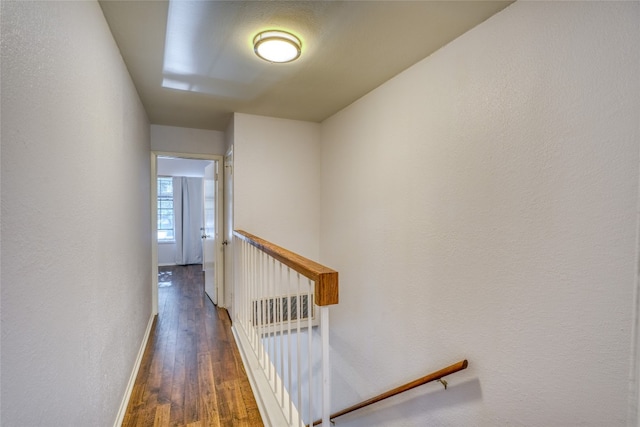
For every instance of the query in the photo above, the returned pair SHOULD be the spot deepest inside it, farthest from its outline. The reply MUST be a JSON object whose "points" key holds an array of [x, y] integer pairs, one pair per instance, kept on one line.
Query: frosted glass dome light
{"points": [[277, 46]]}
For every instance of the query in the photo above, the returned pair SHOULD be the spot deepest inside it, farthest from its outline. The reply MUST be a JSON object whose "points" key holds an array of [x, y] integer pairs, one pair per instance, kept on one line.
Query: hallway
{"points": [[191, 373]]}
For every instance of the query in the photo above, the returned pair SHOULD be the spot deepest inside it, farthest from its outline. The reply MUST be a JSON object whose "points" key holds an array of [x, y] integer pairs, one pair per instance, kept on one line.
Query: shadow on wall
{"points": [[426, 399]]}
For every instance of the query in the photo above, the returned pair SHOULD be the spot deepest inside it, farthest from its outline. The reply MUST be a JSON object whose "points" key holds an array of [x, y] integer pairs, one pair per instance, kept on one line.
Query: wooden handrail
{"points": [[326, 279], [434, 376]]}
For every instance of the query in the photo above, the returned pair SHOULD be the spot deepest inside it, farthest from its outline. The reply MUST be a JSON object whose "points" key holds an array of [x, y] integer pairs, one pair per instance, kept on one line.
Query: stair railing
{"points": [[434, 376], [281, 322]]}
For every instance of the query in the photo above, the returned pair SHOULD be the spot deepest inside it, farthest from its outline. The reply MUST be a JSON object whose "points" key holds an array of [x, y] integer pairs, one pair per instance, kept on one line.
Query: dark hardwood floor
{"points": [[191, 373]]}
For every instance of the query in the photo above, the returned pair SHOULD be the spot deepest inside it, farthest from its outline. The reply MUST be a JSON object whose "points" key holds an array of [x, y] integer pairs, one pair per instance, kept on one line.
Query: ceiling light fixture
{"points": [[277, 46]]}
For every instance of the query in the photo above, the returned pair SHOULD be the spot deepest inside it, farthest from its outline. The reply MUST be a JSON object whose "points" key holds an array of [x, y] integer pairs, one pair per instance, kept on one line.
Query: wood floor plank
{"points": [[209, 408], [170, 335], [235, 395], [224, 406], [162, 415], [191, 374], [146, 416], [191, 392], [154, 378]]}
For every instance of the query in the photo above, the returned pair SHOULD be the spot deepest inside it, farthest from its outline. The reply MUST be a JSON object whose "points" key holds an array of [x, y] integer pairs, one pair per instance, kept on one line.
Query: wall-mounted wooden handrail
{"points": [[326, 279], [434, 376]]}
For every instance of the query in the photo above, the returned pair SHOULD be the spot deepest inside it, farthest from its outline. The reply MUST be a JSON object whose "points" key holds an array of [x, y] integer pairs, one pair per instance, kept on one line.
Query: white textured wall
{"points": [[187, 140], [276, 178], [75, 217], [482, 205], [182, 167]]}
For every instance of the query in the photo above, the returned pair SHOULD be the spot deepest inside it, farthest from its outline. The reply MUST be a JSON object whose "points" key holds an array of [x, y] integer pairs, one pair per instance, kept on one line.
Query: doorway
{"points": [[209, 230]]}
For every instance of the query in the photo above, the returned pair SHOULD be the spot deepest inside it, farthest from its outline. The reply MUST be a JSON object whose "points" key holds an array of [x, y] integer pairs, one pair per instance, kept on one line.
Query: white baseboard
{"points": [[132, 379], [166, 264]]}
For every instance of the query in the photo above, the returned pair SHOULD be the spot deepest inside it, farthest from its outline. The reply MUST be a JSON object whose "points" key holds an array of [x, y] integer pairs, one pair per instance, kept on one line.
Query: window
{"points": [[166, 232]]}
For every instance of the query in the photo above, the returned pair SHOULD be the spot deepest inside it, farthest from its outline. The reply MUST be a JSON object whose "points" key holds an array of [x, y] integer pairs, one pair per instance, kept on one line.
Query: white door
{"points": [[228, 231], [209, 232]]}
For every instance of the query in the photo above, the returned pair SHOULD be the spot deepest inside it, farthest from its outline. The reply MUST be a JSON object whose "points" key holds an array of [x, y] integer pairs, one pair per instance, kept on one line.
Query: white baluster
{"points": [[261, 293], [289, 351], [254, 298], [298, 345], [310, 345], [326, 385], [272, 320], [281, 324]]}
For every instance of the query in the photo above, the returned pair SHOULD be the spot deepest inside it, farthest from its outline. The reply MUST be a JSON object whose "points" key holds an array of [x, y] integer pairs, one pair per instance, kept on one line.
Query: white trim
{"points": [[187, 155], [227, 231], [220, 237], [154, 234], [166, 264], [132, 379]]}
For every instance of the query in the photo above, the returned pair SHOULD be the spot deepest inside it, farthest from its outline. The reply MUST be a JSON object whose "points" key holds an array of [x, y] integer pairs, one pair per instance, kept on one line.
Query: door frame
{"points": [[219, 272], [227, 230]]}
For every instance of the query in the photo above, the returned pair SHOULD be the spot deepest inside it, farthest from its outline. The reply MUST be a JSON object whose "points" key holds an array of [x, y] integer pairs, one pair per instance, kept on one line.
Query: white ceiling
{"points": [[193, 64]]}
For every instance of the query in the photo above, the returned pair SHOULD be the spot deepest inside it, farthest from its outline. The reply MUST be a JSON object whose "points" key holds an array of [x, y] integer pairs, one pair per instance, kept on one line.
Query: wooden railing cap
{"points": [[325, 278]]}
